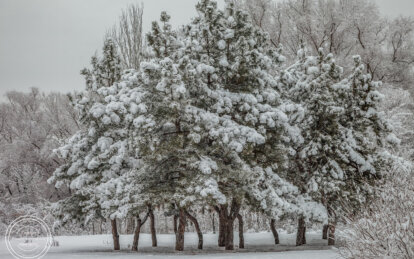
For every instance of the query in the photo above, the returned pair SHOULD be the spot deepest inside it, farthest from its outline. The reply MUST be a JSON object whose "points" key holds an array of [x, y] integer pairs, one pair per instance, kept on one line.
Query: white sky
{"points": [[45, 43]]}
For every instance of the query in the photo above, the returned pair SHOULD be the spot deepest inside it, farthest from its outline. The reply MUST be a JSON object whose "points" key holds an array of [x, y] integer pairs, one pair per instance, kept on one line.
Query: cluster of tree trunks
{"points": [[227, 215], [180, 221], [197, 227], [138, 231], [226, 222], [140, 222]]}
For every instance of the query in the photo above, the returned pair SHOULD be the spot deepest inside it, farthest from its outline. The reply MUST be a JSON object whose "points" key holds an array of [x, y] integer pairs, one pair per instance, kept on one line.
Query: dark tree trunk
{"points": [[213, 223], [138, 231], [175, 223], [230, 235], [152, 227], [331, 230], [301, 234], [241, 236], [304, 235], [226, 220], [179, 240], [222, 228], [325, 231], [115, 234], [274, 231], [234, 211], [197, 227], [136, 235]]}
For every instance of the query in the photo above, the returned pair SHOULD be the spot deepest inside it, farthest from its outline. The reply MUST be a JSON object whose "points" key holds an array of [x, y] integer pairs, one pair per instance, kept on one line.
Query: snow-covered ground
{"points": [[258, 246]]}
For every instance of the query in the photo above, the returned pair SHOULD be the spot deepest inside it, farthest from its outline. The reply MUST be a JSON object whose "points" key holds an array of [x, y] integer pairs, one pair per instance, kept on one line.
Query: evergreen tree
{"points": [[341, 157], [314, 167], [235, 80], [206, 104], [99, 152]]}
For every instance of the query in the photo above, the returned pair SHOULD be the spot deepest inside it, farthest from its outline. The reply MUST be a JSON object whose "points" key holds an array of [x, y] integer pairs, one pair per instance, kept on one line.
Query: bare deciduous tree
{"points": [[31, 125], [127, 35], [344, 28]]}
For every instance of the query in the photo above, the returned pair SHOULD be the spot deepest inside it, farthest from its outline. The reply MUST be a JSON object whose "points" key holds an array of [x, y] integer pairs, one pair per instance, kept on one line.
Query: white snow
{"points": [[207, 165], [258, 246], [228, 34], [221, 44]]}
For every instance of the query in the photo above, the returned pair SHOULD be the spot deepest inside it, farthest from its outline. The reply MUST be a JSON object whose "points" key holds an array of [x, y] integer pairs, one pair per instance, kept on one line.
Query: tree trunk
{"points": [[274, 231], [241, 237], [304, 235], [115, 234], [234, 211], [152, 227], [197, 227], [325, 231], [222, 228], [301, 234], [331, 239], [226, 220], [179, 237], [138, 231], [229, 234], [136, 235], [175, 223], [213, 223]]}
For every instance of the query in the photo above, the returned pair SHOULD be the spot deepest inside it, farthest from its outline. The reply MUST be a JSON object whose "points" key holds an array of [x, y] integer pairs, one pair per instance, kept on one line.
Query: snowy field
{"points": [[258, 246]]}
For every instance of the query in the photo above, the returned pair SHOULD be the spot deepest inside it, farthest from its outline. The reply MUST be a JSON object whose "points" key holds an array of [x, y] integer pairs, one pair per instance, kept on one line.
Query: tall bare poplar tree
{"points": [[127, 35]]}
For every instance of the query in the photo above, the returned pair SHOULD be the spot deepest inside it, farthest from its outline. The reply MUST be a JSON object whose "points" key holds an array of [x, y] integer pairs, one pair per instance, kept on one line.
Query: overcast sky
{"points": [[45, 43]]}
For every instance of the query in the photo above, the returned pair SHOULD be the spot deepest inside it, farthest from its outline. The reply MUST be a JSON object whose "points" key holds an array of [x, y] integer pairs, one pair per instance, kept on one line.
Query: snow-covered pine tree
{"points": [[203, 109], [159, 112], [367, 143], [199, 117], [338, 163], [153, 102], [235, 80], [98, 153], [105, 71], [312, 162], [122, 194], [178, 152]]}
